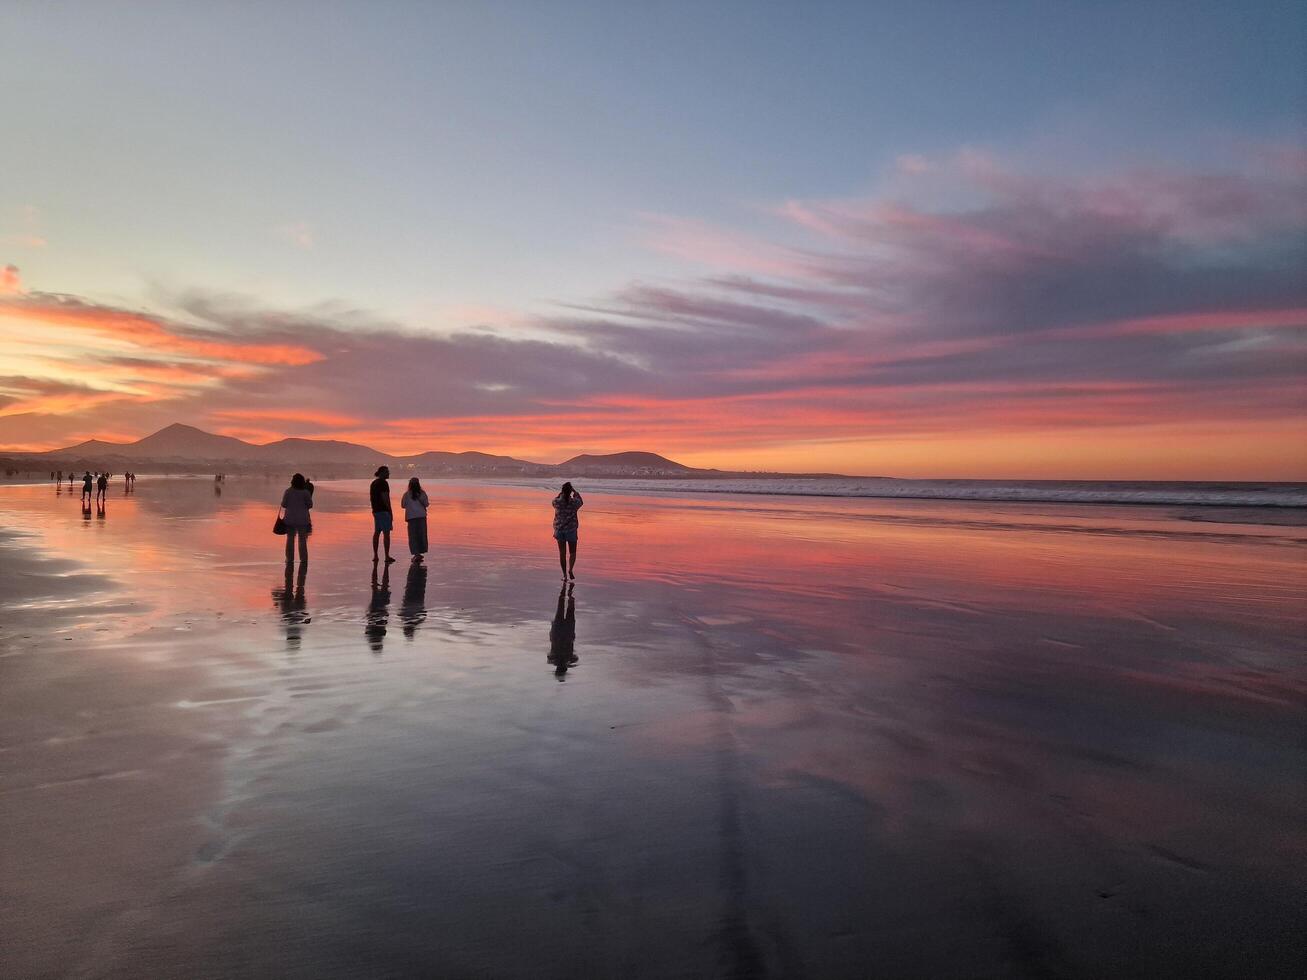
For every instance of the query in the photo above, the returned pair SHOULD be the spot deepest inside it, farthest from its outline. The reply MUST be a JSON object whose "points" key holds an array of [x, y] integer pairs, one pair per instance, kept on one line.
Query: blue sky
{"points": [[503, 154]]}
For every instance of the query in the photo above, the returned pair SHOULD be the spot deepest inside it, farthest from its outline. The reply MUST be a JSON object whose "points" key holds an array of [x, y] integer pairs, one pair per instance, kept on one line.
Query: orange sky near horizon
{"points": [[87, 370], [1255, 452]]}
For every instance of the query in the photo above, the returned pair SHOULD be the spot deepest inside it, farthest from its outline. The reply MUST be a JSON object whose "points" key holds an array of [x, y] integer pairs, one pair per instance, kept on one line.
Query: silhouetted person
{"points": [[415, 503], [562, 633], [566, 524], [378, 615], [382, 518], [290, 600], [297, 502], [87, 483], [413, 610], [101, 487]]}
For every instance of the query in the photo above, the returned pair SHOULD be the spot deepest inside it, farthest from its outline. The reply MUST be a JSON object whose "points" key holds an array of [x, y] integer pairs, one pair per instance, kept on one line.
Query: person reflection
{"points": [[413, 610], [289, 598], [378, 615], [562, 633]]}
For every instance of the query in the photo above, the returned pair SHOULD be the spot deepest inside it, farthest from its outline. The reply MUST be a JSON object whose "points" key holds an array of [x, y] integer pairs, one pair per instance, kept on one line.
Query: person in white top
{"points": [[415, 504]]}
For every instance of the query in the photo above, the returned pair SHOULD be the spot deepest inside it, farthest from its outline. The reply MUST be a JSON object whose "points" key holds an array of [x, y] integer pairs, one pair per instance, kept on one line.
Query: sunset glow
{"points": [[991, 307]]}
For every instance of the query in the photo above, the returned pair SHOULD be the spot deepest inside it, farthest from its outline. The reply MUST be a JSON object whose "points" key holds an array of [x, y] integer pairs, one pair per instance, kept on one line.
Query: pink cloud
{"points": [[720, 248]]}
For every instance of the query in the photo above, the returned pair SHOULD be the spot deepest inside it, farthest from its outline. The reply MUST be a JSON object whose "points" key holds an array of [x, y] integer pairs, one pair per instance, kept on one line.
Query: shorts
{"points": [[568, 537], [382, 520]]}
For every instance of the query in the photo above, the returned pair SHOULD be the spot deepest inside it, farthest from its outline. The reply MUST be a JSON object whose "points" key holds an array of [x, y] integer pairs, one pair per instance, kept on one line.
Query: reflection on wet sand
{"points": [[377, 616], [928, 737], [290, 599], [413, 607], [562, 633]]}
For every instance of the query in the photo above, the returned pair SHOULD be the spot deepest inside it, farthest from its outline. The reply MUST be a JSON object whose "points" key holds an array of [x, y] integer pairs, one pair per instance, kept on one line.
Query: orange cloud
{"points": [[139, 330]]}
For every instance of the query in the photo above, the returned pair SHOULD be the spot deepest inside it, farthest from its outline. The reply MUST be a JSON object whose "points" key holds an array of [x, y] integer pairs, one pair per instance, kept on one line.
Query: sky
{"points": [[912, 239]]}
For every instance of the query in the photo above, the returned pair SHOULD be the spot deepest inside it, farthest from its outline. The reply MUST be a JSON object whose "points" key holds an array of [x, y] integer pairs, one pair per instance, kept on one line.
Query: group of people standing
{"points": [[294, 519], [414, 502], [101, 486], [93, 485]]}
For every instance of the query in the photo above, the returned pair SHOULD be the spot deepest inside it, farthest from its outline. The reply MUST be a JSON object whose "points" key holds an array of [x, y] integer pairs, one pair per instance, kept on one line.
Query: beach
{"points": [[764, 736]]}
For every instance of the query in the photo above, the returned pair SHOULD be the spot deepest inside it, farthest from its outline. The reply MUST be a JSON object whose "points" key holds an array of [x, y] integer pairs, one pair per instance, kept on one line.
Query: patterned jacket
{"points": [[565, 520]]}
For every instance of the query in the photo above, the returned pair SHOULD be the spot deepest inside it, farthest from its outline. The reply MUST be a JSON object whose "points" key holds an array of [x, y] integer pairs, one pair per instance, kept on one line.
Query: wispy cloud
{"points": [[1028, 304]]}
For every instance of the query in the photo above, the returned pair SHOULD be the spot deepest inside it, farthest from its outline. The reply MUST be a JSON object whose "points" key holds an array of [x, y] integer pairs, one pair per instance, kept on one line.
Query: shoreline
{"points": [[1250, 494]]}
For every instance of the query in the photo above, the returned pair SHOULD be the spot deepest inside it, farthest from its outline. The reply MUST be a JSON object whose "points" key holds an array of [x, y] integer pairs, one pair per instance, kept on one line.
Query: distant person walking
{"points": [[101, 487], [566, 524], [415, 504], [382, 518], [87, 492], [297, 502]]}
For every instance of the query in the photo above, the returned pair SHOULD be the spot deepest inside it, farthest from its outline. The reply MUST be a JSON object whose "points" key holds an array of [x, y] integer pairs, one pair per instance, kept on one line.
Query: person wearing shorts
{"points": [[566, 524], [383, 520]]}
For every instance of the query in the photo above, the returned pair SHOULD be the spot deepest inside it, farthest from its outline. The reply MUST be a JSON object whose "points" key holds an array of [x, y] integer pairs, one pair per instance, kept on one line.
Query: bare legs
{"points": [[377, 536], [291, 534], [566, 563]]}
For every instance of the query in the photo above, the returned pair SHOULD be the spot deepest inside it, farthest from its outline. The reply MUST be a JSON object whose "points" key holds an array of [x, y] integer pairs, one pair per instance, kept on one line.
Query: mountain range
{"points": [[180, 447]]}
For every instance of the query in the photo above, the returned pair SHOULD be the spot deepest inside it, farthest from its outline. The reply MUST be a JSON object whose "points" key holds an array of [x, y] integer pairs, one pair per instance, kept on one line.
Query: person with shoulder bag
{"points": [[296, 503]]}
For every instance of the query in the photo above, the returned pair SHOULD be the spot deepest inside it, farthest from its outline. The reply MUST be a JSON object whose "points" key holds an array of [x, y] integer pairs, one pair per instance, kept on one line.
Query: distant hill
{"points": [[633, 463], [91, 448], [177, 441], [317, 451], [180, 448]]}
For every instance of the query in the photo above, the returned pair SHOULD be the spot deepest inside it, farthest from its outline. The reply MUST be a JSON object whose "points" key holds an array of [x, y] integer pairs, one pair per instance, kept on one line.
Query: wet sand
{"points": [[822, 738]]}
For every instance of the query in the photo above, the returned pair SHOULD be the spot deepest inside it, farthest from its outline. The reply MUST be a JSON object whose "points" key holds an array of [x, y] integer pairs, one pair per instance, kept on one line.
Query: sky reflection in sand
{"points": [[799, 736]]}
